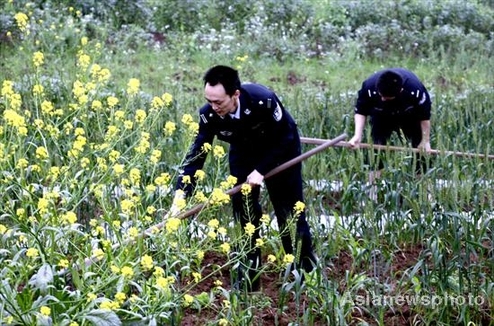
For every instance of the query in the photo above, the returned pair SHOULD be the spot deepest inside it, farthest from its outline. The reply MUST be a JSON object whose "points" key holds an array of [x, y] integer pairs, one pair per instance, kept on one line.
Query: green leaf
{"points": [[103, 317], [41, 279]]}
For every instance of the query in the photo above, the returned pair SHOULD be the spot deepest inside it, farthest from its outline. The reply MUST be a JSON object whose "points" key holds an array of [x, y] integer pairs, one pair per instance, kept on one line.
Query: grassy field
{"points": [[96, 121]]}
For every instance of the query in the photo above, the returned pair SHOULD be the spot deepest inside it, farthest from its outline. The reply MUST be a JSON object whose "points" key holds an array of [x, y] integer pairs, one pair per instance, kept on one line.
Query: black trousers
{"points": [[284, 189], [382, 130]]}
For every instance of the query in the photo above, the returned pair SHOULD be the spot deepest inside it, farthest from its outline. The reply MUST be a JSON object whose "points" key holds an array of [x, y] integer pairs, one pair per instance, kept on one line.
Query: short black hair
{"points": [[224, 75], [389, 83]]}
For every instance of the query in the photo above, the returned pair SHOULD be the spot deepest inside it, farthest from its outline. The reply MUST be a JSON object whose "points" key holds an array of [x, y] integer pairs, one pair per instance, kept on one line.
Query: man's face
{"points": [[221, 102]]}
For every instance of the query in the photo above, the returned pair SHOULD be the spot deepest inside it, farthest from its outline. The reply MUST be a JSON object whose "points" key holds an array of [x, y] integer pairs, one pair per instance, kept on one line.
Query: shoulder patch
{"points": [[423, 99], [277, 114], [203, 118]]}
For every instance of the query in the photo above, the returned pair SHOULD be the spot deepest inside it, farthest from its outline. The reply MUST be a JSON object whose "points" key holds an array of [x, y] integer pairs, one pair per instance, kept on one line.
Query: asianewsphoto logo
{"points": [[430, 300]]}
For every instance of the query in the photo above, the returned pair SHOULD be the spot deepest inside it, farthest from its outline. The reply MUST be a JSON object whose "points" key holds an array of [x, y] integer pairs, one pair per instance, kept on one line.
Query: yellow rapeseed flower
{"points": [[167, 98], [13, 118], [265, 219], [140, 116], [133, 86], [187, 119], [147, 262], [197, 277], [83, 60], [200, 175], [206, 147], [38, 90], [127, 272], [271, 258], [45, 311], [63, 263], [132, 232], [169, 128], [32, 253], [118, 169], [38, 58], [98, 253], [162, 179], [225, 247], [212, 234], [246, 189], [47, 107], [299, 208], [162, 283], [135, 176], [157, 103], [111, 101], [69, 217], [214, 223], [172, 225], [288, 259], [22, 163], [193, 128], [200, 197], [155, 156], [120, 297], [41, 153], [219, 197], [249, 229], [22, 21], [188, 299], [200, 254]]}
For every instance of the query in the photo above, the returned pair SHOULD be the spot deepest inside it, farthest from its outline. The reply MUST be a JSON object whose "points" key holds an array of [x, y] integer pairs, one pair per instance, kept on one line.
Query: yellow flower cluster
{"points": [[144, 143], [133, 86], [249, 229], [298, 208], [206, 147], [22, 21], [219, 151], [288, 259], [219, 197], [200, 197], [32, 253], [246, 189], [38, 58], [15, 120], [169, 128], [188, 299], [147, 262], [45, 311], [225, 247], [228, 183], [172, 224], [200, 175], [164, 282], [155, 156], [69, 218], [83, 60], [162, 179]]}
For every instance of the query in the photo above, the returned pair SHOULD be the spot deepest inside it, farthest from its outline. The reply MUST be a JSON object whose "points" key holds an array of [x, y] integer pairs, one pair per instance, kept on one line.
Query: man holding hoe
{"points": [[262, 135]]}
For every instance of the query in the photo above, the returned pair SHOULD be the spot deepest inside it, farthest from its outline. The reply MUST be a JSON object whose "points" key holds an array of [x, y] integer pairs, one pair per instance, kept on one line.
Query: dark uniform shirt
{"points": [[412, 103], [262, 137]]}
